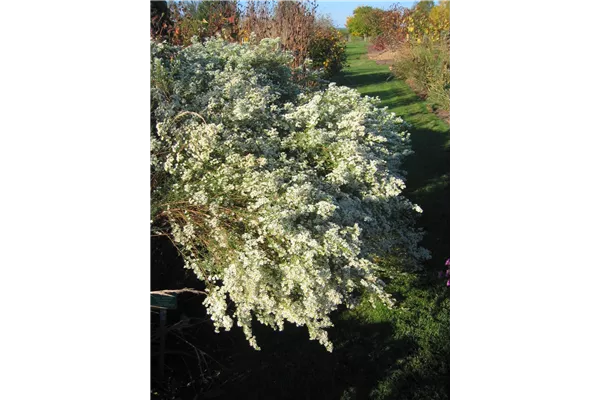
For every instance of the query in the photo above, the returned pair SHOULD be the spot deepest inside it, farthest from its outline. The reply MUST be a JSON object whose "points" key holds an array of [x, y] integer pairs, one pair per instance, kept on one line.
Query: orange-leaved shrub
{"points": [[327, 50]]}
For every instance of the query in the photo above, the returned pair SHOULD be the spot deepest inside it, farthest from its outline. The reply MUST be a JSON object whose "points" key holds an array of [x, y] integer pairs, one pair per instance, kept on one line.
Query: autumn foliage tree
{"points": [[425, 21], [365, 21], [394, 26], [327, 49]]}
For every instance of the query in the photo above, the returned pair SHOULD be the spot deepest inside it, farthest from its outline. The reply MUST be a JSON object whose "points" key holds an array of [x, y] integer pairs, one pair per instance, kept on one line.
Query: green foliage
{"points": [[202, 9], [365, 21], [424, 7]]}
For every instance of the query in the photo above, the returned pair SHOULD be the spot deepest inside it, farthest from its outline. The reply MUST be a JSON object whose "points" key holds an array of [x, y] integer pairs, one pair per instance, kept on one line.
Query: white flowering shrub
{"points": [[277, 197]]}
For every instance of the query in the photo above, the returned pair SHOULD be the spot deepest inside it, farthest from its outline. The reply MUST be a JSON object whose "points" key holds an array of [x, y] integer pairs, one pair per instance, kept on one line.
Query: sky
{"points": [[340, 10]]}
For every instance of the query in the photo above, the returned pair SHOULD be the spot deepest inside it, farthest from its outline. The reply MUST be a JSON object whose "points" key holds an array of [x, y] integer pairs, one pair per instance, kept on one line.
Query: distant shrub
{"points": [[186, 26], [421, 37], [365, 21], [378, 43], [426, 67], [327, 50], [394, 26], [429, 22]]}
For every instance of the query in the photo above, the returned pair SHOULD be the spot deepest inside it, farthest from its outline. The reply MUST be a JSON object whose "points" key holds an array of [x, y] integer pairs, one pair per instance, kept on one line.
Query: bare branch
{"points": [[175, 291]]}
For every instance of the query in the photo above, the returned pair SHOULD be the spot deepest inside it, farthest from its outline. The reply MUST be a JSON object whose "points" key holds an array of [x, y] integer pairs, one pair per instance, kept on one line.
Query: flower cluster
{"points": [[277, 196]]}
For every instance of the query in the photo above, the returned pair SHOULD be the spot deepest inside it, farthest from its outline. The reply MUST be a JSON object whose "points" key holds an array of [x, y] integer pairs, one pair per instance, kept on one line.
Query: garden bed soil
{"points": [[384, 57]]}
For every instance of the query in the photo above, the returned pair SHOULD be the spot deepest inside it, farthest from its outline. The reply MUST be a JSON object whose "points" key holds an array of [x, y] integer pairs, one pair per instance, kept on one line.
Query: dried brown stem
{"points": [[175, 291]]}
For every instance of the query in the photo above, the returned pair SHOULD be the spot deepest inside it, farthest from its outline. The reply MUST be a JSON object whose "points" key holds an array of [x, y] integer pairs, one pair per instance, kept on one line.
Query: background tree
{"points": [[439, 20], [324, 21], [365, 21], [424, 6], [292, 21]]}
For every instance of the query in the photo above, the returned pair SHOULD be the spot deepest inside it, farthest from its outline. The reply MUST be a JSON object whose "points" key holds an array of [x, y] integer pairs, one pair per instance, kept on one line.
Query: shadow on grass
{"points": [[391, 99], [360, 79], [428, 185], [294, 368], [369, 361], [353, 52]]}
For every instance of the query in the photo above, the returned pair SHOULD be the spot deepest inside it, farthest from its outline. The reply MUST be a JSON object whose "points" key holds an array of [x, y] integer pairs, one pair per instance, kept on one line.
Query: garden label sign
{"points": [[163, 301]]}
